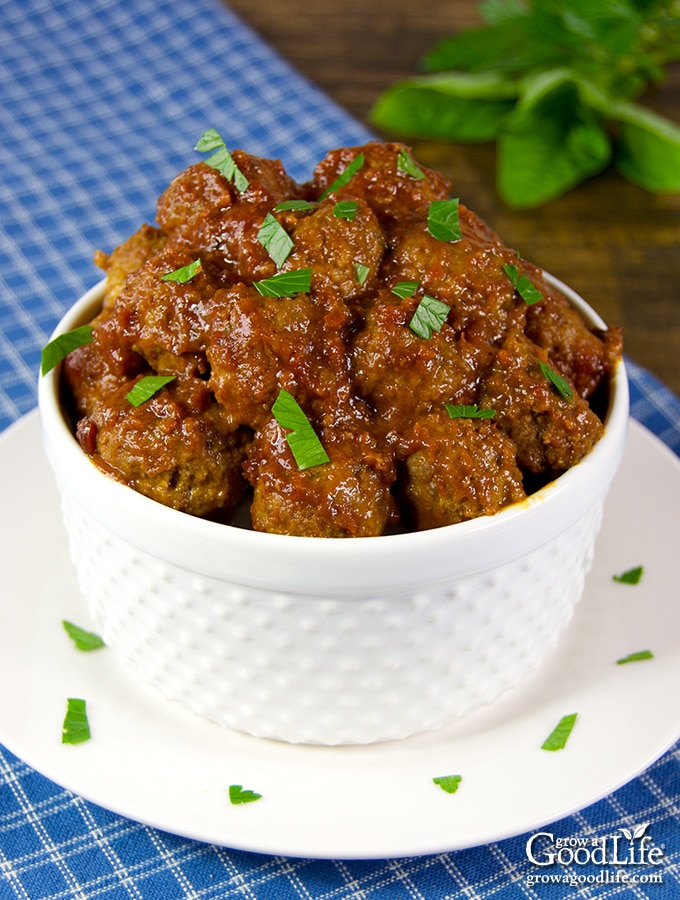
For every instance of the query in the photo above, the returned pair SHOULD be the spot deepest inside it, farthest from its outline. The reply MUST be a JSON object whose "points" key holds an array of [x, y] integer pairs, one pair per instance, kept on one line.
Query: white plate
{"points": [[155, 763]]}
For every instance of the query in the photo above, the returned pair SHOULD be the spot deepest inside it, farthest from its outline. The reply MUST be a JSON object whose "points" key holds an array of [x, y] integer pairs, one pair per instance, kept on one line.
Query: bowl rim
{"points": [[384, 562]]}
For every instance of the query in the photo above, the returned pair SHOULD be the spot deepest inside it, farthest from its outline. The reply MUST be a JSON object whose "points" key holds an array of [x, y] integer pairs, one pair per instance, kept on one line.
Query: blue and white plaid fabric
{"points": [[101, 102]]}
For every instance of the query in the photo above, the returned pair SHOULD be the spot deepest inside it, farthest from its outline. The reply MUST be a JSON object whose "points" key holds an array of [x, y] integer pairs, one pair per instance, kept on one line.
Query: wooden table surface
{"points": [[612, 242]]}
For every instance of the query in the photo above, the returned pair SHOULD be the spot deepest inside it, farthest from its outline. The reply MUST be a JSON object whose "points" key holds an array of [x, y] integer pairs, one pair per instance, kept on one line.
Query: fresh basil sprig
{"points": [[555, 85]]}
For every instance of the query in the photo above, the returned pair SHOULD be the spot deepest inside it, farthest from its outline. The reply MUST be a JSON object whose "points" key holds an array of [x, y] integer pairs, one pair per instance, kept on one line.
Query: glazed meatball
{"points": [[175, 448], [551, 432], [460, 468], [347, 497]]}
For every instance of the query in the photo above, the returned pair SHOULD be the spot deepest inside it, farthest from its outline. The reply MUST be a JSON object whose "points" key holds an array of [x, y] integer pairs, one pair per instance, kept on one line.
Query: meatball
{"points": [[257, 345], [343, 253], [402, 375], [175, 448], [127, 258], [391, 192], [461, 468], [347, 497], [160, 318], [551, 432]]}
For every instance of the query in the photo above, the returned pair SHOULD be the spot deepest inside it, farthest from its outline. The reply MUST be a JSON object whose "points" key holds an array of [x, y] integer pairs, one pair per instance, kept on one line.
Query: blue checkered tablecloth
{"points": [[100, 101]]}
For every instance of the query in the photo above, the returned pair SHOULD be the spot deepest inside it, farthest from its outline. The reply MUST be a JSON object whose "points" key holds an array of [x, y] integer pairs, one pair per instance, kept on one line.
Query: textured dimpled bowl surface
{"points": [[321, 640]]}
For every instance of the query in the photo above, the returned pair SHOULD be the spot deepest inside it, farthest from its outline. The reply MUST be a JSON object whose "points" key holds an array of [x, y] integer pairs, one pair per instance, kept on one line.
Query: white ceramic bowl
{"points": [[321, 640]]}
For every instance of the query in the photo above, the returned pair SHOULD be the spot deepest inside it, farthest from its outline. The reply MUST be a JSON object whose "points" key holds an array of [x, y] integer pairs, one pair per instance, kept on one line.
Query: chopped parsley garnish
{"points": [[295, 204], [557, 381], [635, 657], [285, 284], [405, 289], [345, 176], [345, 209], [61, 346], [362, 272], [147, 387], [84, 640], [275, 240], [238, 795], [448, 783], [221, 159], [302, 439], [443, 220], [631, 576], [76, 727], [429, 317], [558, 737], [184, 273], [523, 285], [406, 165], [469, 412]]}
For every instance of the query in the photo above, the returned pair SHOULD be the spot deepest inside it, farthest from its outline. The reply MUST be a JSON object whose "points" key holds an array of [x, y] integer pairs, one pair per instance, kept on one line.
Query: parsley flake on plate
{"points": [[635, 657], [303, 441], [631, 576], [84, 640], [147, 387], [237, 795], [448, 783], [62, 345], [559, 736], [76, 728]]}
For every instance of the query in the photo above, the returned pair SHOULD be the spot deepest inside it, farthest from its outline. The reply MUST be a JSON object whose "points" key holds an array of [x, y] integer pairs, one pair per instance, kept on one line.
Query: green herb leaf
{"points": [[302, 439], [275, 240], [238, 795], [448, 783], [362, 272], [463, 107], [631, 576], [221, 159], [345, 209], [84, 640], [345, 176], [405, 289], [552, 140], [443, 221], [295, 204], [406, 165], [647, 148], [469, 412], [184, 273], [523, 285], [147, 387], [635, 657], [285, 284], [429, 317], [558, 737], [76, 728], [557, 380], [62, 345]]}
